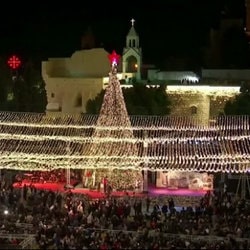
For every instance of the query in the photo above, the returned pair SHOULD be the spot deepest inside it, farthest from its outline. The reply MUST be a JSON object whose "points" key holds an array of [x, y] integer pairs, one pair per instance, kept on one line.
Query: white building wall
{"points": [[64, 92], [68, 78], [155, 74], [229, 74]]}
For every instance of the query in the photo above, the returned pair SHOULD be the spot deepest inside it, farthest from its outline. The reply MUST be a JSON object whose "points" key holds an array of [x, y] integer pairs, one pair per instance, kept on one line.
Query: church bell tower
{"points": [[132, 58]]}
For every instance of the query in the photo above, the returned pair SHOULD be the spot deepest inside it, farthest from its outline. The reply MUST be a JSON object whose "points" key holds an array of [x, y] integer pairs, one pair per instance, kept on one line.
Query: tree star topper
{"points": [[114, 58]]}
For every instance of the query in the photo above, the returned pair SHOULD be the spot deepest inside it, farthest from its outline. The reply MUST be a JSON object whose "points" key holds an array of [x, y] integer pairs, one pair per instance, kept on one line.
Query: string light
{"points": [[119, 158], [123, 145], [223, 145]]}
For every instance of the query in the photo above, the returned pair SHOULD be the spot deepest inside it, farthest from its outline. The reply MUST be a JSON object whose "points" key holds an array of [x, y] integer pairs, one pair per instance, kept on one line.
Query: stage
{"points": [[182, 197]]}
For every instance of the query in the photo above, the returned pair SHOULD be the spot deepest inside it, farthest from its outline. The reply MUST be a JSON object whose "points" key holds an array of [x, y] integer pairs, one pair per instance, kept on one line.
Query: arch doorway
{"points": [[132, 64]]}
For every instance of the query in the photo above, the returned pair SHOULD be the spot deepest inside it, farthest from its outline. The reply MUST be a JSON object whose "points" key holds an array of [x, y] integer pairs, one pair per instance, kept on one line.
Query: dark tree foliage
{"points": [[93, 106], [240, 105], [6, 84], [22, 90], [140, 100]]}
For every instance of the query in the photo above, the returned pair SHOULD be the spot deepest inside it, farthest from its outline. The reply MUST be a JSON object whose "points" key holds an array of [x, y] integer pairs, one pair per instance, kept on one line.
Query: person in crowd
{"points": [[67, 220]]}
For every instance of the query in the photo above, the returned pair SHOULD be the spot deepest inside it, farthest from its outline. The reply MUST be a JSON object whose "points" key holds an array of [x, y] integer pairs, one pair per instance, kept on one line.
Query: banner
{"points": [[185, 180]]}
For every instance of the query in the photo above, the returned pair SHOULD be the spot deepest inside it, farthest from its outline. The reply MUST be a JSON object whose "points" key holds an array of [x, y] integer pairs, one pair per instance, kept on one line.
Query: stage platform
{"points": [[182, 197]]}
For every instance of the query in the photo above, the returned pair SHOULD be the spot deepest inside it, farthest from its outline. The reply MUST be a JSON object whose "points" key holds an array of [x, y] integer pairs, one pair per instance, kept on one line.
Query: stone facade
{"points": [[71, 82], [201, 102], [191, 104]]}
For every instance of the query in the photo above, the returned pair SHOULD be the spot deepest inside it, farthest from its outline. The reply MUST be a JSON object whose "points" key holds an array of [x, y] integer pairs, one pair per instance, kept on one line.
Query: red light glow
{"points": [[14, 62], [114, 58]]}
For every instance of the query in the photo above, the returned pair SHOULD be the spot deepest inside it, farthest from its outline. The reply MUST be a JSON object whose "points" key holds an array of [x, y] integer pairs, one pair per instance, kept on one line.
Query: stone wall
{"points": [[200, 101], [192, 104], [207, 106]]}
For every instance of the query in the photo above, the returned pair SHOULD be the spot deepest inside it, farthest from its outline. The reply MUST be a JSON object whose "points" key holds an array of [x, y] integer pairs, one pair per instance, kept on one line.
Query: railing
{"points": [[19, 229], [206, 238], [24, 225], [28, 243], [15, 236], [29, 240]]}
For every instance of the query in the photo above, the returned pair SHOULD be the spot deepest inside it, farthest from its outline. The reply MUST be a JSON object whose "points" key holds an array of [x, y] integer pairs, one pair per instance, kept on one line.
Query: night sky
{"points": [[166, 28]]}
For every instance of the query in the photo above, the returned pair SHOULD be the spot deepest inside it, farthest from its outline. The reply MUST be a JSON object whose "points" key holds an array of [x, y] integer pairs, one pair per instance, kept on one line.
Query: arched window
{"points": [[193, 110]]}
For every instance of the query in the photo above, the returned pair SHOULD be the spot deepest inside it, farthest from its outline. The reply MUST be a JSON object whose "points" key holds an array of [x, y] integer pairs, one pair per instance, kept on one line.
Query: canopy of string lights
{"points": [[30, 141]]}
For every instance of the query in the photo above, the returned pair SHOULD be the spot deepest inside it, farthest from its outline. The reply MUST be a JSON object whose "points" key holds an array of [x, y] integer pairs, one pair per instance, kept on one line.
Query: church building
{"points": [[132, 54], [71, 82]]}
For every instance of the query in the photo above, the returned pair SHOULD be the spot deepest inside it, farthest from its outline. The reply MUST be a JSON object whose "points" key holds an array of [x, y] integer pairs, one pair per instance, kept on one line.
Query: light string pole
{"points": [[145, 171], [68, 181]]}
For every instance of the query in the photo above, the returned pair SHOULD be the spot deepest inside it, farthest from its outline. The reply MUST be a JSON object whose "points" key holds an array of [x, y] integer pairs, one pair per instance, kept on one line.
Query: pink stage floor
{"points": [[152, 191], [178, 192]]}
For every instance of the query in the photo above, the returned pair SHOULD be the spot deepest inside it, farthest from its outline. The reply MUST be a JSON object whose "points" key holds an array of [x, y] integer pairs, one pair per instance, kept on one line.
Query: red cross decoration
{"points": [[114, 58], [14, 62]]}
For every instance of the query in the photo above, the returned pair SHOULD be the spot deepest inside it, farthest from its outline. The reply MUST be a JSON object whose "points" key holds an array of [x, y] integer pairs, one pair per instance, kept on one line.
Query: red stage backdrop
{"points": [[187, 180]]}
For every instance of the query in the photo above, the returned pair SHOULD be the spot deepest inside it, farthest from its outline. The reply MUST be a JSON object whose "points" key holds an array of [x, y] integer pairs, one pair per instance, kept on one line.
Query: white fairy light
{"points": [[180, 146], [113, 140]]}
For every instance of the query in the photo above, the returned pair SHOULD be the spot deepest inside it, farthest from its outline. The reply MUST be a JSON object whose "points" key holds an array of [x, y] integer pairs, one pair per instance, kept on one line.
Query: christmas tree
{"points": [[113, 123]]}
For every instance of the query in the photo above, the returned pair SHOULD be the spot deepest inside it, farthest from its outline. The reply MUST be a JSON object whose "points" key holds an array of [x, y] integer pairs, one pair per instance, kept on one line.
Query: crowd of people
{"points": [[73, 221], [53, 176]]}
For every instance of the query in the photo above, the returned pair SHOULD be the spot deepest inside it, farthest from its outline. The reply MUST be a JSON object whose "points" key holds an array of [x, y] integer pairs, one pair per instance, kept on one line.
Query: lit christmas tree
{"points": [[113, 122]]}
